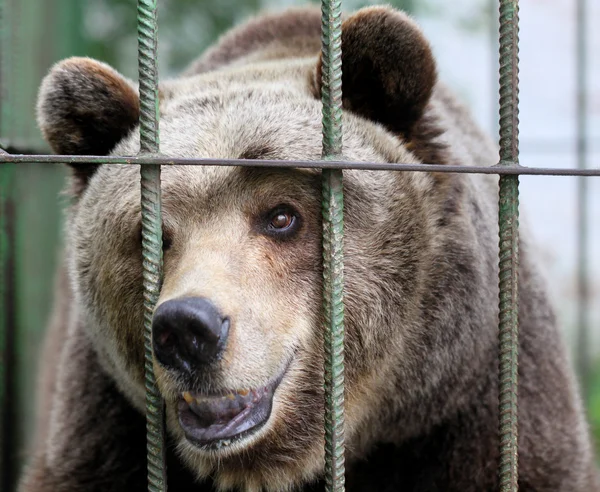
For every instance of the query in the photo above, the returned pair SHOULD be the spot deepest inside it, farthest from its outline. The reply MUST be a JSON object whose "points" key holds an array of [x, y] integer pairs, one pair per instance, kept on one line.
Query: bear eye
{"points": [[282, 221]]}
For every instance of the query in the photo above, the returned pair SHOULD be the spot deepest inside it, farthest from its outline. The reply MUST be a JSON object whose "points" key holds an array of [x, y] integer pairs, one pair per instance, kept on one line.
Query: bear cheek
{"points": [[292, 301], [111, 283]]}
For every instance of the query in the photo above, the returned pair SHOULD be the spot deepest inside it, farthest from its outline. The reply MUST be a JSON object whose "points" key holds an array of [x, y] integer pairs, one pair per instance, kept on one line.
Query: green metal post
{"points": [[333, 233], [508, 216], [583, 284], [6, 262], [151, 234], [7, 326]]}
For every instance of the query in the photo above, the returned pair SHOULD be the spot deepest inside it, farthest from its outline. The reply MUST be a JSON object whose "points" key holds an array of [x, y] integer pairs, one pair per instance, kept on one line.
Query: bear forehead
{"points": [[245, 122], [263, 110]]}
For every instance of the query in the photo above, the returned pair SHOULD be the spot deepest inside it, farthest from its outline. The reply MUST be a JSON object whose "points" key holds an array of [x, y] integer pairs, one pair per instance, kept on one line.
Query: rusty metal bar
{"points": [[151, 234], [333, 235], [508, 219], [583, 259]]}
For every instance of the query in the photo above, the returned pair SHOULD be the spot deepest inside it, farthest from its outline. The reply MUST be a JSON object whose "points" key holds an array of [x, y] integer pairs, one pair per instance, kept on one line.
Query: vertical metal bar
{"points": [[7, 326], [151, 234], [6, 264], [3, 254], [333, 233], [508, 217], [583, 283]]}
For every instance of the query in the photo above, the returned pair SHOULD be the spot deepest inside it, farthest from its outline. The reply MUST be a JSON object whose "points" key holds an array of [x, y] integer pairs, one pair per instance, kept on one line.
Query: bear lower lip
{"points": [[208, 419], [214, 421]]}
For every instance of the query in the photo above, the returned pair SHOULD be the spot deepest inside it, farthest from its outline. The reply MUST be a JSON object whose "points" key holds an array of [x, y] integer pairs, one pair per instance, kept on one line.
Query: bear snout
{"points": [[188, 333]]}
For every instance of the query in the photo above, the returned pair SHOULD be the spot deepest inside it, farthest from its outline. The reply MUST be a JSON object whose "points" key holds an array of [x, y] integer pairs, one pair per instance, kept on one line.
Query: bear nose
{"points": [[188, 332]]}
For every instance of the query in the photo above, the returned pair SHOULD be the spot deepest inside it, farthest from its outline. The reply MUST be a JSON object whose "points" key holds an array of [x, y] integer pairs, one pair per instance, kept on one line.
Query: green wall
{"points": [[34, 35]]}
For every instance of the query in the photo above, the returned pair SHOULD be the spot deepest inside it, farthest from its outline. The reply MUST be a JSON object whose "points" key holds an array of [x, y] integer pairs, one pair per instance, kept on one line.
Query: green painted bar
{"points": [[6, 260], [508, 218], [151, 234], [333, 233]]}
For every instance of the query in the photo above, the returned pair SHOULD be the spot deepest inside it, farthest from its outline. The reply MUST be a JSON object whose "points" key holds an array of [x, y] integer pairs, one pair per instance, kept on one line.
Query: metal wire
{"points": [[151, 235], [508, 217], [333, 234], [503, 170]]}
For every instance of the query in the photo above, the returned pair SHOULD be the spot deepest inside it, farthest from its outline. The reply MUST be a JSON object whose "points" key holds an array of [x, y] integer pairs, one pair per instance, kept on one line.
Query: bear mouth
{"points": [[211, 422]]}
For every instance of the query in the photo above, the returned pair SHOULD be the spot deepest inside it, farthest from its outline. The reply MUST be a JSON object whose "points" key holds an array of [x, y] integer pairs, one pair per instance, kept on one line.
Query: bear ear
{"points": [[85, 107], [388, 70]]}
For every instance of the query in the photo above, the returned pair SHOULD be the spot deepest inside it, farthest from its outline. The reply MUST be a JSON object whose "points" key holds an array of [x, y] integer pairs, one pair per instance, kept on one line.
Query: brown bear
{"points": [[237, 331]]}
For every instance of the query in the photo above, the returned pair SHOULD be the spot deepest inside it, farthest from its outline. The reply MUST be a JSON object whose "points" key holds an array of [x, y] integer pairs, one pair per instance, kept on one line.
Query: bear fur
{"points": [[420, 277]]}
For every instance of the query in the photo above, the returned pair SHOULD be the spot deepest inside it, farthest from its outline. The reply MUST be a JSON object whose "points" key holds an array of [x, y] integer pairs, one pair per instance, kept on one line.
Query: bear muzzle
{"points": [[189, 337]]}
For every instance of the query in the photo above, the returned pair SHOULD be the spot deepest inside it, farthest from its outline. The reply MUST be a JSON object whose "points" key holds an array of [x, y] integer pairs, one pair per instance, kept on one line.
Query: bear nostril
{"points": [[165, 338], [188, 332]]}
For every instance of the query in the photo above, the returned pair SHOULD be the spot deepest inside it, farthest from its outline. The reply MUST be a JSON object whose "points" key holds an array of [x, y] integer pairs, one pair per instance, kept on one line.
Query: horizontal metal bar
{"points": [[374, 166]]}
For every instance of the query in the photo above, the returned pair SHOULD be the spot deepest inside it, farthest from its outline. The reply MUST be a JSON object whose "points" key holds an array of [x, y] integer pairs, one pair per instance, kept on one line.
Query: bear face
{"points": [[238, 326], [221, 247]]}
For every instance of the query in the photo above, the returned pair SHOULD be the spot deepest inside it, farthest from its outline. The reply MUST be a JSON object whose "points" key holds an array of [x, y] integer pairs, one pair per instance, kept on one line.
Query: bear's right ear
{"points": [[85, 107]]}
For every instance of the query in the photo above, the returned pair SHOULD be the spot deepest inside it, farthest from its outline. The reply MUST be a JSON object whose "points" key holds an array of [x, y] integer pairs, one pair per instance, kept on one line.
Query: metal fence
{"points": [[333, 230]]}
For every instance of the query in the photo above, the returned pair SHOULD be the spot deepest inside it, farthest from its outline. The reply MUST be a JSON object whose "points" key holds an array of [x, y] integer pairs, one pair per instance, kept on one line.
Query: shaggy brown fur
{"points": [[85, 108], [420, 272]]}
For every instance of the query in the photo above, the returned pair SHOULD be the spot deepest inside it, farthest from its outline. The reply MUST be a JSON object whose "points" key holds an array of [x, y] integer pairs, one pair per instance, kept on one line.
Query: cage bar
{"points": [[3, 256], [6, 263], [583, 258], [333, 256], [151, 234], [7, 302], [508, 219], [148, 160]]}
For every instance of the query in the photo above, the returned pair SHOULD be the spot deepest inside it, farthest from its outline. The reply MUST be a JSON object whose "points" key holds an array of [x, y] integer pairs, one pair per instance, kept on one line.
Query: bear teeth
{"points": [[189, 398]]}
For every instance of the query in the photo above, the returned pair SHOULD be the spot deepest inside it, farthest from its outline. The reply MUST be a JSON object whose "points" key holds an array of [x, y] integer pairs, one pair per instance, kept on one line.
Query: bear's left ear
{"points": [[85, 107], [388, 70]]}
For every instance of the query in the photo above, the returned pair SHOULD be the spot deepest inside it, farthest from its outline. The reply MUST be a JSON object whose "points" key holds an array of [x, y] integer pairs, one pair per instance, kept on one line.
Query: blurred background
{"points": [[560, 127]]}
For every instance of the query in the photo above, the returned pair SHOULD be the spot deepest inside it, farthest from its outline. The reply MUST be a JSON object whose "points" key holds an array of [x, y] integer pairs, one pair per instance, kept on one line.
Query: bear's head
{"points": [[238, 326]]}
